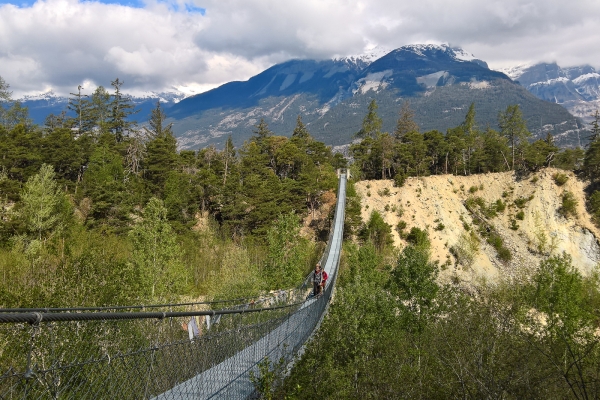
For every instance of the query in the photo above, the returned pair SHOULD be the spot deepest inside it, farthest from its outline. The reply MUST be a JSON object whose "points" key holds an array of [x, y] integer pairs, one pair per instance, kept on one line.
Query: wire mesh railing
{"points": [[175, 351]]}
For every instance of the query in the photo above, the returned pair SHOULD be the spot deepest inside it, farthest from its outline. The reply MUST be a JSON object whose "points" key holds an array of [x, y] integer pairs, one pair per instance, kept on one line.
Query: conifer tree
{"points": [[513, 127], [121, 109], [371, 125], [97, 115], [228, 155], [301, 134], [45, 208], [5, 94], [76, 104], [406, 121], [595, 127], [157, 123]]}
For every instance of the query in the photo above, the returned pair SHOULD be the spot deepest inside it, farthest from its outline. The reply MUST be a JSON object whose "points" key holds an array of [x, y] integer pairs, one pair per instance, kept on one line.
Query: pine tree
{"points": [[45, 208], [76, 104], [595, 127], [157, 121], [228, 155], [406, 121], [301, 134], [371, 125], [5, 94], [469, 127], [97, 115], [121, 109], [513, 127], [261, 134]]}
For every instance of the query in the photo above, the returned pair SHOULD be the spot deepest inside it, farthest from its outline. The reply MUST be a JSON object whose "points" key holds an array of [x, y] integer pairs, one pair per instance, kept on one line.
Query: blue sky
{"points": [[196, 45], [129, 3]]}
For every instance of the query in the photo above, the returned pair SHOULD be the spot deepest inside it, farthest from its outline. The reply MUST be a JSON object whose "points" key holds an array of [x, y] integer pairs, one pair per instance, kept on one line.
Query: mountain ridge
{"points": [[332, 98]]}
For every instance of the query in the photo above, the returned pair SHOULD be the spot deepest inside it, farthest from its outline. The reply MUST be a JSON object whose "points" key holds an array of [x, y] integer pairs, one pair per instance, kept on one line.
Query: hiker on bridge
{"points": [[319, 278]]}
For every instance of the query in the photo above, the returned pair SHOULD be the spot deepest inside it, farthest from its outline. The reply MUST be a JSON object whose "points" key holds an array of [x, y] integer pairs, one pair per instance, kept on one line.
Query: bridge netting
{"points": [[178, 351]]}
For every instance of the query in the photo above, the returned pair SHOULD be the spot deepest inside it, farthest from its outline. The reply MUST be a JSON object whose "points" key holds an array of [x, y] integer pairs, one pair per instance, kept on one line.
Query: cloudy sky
{"points": [[195, 45]]}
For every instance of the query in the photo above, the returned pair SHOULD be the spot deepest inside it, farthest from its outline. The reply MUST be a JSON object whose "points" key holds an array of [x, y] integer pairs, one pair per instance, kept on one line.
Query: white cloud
{"points": [[62, 43]]}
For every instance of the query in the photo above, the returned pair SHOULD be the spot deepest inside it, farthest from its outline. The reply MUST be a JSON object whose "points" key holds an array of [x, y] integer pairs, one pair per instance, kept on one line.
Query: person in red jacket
{"points": [[319, 279]]}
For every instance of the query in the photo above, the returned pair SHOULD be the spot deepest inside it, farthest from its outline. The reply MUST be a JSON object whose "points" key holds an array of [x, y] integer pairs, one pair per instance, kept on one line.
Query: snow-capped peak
{"points": [[370, 55], [515, 73], [49, 95], [585, 77]]}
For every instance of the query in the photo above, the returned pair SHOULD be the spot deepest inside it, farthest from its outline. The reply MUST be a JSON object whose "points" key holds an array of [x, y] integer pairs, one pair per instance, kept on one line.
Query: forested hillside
{"points": [[96, 210]]}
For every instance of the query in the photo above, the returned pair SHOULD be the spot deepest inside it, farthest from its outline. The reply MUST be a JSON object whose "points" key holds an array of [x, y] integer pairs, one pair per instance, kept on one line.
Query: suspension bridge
{"points": [[208, 350]]}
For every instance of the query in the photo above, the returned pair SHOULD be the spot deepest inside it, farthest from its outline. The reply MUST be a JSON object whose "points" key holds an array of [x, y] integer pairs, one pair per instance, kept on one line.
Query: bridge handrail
{"points": [[36, 317]]}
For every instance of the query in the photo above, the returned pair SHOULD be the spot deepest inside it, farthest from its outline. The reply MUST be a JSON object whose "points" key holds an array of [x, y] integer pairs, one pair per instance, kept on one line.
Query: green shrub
{"points": [[535, 179], [500, 206], [399, 180], [401, 226], [560, 178], [473, 189], [569, 205], [439, 227], [504, 254], [520, 215], [513, 225], [522, 201], [418, 237], [496, 241], [594, 206]]}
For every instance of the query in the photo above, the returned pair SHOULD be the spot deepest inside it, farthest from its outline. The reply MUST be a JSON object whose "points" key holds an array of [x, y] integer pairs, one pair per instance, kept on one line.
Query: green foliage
{"points": [[568, 205], [418, 238], [288, 254], [268, 378], [45, 209], [520, 215], [371, 125], [377, 231], [565, 331], [156, 254], [497, 243], [560, 178], [513, 127], [413, 282], [466, 248], [522, 201], [594, 206]]}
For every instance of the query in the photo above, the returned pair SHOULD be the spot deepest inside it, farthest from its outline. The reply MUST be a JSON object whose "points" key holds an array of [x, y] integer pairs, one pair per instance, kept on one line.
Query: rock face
{"points": [[438, 204], [575, 88], [332, 97]]}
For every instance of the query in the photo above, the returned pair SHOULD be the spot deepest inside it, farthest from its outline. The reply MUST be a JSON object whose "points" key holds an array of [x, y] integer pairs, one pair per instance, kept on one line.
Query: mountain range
{"points": [[575, 88], [332, 96]]}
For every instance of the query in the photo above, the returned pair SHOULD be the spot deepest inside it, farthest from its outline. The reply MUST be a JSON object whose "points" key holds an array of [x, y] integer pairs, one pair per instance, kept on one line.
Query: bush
{"points": [[522, 201], [496, 241], [401, 226], [569, 205], [500, 206], [560, 178], [594, 206], [399, 179], [520, 215], [418, 237]]}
